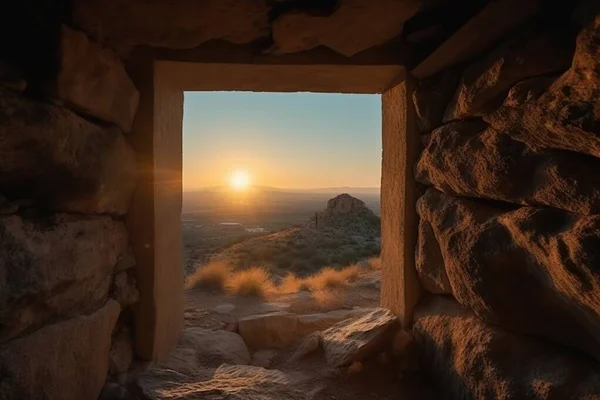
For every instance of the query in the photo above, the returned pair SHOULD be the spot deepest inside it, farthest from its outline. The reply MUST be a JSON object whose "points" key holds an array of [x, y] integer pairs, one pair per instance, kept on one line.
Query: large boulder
{"points": [[213, 348], [567, 114], [268, 331], [123, 24], [356, 339], [54, 267], [485, 83], [467, 158], [93, 81], [349, 30], [529, 270], [67, 360], [473, 360], [65, 162], [429, 261]]}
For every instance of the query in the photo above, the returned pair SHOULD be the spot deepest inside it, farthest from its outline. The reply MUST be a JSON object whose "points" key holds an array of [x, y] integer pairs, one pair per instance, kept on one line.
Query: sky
{"points": [[283, 140]]}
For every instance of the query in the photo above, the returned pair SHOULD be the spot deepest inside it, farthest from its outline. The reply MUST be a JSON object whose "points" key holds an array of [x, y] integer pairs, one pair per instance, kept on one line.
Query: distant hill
{"points": [[345, 232]]}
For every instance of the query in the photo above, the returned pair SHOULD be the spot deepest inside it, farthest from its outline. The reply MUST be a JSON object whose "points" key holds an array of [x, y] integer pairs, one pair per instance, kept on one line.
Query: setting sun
{"points": [[239, 180]]}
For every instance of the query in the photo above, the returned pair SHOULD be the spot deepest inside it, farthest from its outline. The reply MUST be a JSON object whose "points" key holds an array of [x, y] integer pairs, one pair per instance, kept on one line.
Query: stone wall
{"points": [[509, 230], [67, 174]]}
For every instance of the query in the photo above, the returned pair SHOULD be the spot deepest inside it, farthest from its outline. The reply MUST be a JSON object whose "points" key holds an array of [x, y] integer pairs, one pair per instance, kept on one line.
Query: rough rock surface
{"points": [[263, 358], [268, 331], [567, 114], [125, 289], [473, 360], [67, 360], [354, 340], [122, 24], [529, 270], [464, 158], [430, 263], [432, 97], [67, 163], [231, 382], [54, 267], [308, 323], [484, 84], [349, 30], [120, 355], [212, 348], [92, 80]]}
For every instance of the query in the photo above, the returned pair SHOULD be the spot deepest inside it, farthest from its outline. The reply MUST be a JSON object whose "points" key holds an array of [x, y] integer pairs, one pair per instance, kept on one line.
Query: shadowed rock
{"points": [[473, 360], [62, 160], [55, 267], [466, 158], [529, 270], [67, 360]]}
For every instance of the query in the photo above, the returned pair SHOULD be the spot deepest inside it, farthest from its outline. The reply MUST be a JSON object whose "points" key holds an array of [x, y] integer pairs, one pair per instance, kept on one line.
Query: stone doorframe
{"points": [[155, 213]]}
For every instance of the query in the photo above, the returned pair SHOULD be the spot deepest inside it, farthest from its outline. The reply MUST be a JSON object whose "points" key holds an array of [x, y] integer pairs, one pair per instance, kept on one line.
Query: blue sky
{"points": [[286, 140]]}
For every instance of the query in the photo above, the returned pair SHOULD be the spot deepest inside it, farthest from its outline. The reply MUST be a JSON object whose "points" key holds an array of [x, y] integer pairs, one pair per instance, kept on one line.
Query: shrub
{"points": [[290, 284], [254, 281], [375, 262], [213, 275], [330, 278], [327, 299]]}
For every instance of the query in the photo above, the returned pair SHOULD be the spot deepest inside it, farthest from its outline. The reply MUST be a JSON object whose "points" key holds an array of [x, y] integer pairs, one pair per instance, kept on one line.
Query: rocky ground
{"points": [[288, 347]]}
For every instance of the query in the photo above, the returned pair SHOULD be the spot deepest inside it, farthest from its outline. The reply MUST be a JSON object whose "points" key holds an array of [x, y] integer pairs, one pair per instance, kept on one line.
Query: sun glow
{"points": [[239, 180]]}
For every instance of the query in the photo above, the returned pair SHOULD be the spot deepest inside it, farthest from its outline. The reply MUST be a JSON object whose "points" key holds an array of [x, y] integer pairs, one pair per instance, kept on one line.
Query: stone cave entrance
{"points": [[156, 227]]}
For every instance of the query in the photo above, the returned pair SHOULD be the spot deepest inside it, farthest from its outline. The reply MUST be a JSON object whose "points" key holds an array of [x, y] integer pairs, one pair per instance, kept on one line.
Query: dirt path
{"points": [[309, 377]]}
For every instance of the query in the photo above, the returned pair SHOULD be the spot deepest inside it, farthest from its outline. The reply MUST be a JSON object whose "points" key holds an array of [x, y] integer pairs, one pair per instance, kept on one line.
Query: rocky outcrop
{"points": [[344, 204], [473, 360], [528, 270], [465, 158], [123, 24], [268, 331], [62, 161], [297, 31], [55, 267], [93, 81], [484, 84], [66, 360], [432, 97], [355, 339], [567, 114]]}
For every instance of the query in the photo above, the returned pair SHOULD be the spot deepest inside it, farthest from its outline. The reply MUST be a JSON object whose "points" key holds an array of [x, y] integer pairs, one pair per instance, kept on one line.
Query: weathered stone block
{"points": [[66, 360], [484, 84], [430, 263], [466, 158], [529, 270], [125, 289], [120, 355], [296, 31], [432, 97], [54, 267], [473, 360], [269, 331], [93, 81], [123, 24], [567, 115], [67, 163]]}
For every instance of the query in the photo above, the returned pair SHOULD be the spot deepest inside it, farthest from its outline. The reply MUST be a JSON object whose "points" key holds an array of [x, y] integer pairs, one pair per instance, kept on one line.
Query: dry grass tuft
{"points": [[254, 281], [375, 263], [290, 284], [330, 278], [213, 276]]}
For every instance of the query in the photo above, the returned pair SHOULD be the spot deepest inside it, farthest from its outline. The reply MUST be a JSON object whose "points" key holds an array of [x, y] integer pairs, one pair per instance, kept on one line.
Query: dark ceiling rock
{"points": [[182, 24], [356, 25]]}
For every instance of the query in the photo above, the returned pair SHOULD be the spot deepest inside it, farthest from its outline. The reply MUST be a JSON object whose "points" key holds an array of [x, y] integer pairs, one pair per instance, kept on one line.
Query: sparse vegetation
{"points": [[213, 276], [254, 281]]}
